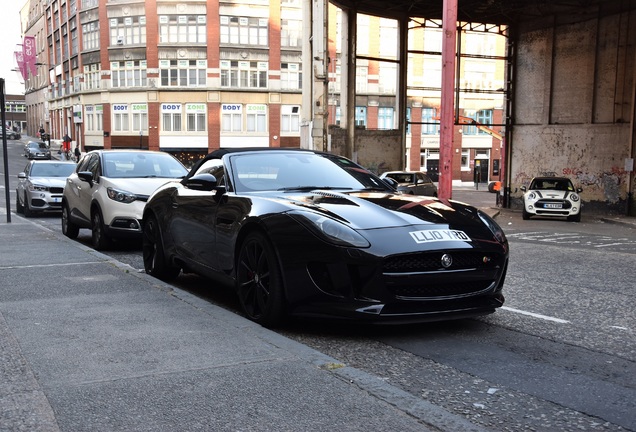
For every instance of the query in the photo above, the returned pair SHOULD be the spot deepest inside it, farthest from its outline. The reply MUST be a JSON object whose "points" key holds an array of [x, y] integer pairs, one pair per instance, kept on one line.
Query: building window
{"points": [[361, 116], [408, 120], [128, 31], [361, 79], [256, 118], [139, 117], [196, 118], [388, 78], [243, 74], [291, 32], [231, 118], [385, 118], [92, 76], [171, 117], [90, 35], [243, 30], [428, 128], [121, 120], [290, 119], [291, 78], [128, 74], [183, 73], [465, 160], [182, 29], [482, 116]]}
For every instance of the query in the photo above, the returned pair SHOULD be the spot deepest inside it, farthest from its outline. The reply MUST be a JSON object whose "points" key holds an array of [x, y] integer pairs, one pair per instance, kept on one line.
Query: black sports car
{"points": [[307, 233]]}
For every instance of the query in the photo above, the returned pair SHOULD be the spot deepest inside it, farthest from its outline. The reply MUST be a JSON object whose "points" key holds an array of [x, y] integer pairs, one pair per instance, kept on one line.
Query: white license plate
{"points": [[57, 200], [554, 206]]}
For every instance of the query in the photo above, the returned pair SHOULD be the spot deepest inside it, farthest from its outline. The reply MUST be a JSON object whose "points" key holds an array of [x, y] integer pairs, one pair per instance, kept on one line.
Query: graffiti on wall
{"points": [[608, 183]]}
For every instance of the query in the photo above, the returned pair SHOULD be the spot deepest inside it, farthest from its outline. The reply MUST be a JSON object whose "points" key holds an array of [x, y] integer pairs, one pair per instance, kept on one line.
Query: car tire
{"points": [[26, 209], [525, 215], [259, 282], [99, 238], [155, 263], [19, 208], [575, 218], [69, 229]]}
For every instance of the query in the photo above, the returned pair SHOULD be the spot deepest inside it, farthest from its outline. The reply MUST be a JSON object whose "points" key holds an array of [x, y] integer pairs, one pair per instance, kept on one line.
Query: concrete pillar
{"points": [[447, 117]]}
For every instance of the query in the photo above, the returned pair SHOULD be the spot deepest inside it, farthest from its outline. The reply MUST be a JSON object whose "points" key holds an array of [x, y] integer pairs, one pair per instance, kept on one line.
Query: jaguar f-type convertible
{"points": [[307, 233]]}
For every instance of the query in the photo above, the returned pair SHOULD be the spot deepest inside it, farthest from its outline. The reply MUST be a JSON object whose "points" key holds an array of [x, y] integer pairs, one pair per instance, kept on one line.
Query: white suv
{"points": [[109, 189], [552, 196]]}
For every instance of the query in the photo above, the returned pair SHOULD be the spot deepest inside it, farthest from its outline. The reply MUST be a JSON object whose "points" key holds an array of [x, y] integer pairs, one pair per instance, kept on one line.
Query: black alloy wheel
{"points": [[155, 263], [69, 229], [99, 238], [259, 281]]}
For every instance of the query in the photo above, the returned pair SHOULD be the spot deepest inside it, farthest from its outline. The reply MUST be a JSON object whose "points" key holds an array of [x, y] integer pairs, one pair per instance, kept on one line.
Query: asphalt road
{"points": [[558, 357]]}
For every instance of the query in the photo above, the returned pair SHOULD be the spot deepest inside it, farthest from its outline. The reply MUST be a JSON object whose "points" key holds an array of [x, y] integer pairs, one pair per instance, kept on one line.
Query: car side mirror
{"points": [[21, 175], [86, 176], [202, 182], [391, 182], [579, 190], [523, 188]]}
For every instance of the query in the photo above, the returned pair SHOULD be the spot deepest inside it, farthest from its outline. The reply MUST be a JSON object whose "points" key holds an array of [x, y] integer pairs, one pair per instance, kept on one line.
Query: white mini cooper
{"points": [[552, 196]]}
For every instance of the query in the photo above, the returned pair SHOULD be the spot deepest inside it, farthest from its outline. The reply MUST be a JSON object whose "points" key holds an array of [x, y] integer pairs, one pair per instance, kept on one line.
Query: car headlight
{"points": [[121, 196], [574, 197], [334, 231], [493, 227], [37, 187], [532, 196]]}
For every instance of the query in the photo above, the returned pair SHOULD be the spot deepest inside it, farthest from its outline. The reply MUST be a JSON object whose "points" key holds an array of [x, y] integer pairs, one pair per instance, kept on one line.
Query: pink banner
{"points": [[19, 58], [28, 50]]}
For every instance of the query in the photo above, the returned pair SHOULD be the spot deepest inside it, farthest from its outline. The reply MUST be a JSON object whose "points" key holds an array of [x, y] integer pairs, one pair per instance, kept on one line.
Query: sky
{"points": [[11, 37]]}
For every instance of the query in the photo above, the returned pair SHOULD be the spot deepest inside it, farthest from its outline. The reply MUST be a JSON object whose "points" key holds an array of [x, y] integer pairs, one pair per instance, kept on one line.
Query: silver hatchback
{"points": [[40, 186]]}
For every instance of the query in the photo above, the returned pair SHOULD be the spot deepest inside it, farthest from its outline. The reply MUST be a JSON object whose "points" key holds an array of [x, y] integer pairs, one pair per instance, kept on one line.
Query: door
{"points": [[432, 169]]}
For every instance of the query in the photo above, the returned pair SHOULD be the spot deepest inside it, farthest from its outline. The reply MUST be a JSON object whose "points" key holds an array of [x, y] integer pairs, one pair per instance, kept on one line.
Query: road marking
{"points": [[535, 315], [50, 265]]}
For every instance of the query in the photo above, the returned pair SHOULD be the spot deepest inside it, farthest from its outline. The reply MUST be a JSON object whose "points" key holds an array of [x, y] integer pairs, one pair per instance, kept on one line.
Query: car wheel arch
{"points": [[247, 229]]}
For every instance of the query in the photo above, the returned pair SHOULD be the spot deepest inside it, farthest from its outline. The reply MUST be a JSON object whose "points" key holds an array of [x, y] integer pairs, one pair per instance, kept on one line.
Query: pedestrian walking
{"points": [[78, 153]]}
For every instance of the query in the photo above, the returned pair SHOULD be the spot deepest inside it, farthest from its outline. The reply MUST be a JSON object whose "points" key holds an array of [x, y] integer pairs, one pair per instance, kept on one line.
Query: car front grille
{"points": [[57, 190], [431, 261], [546, 203], [424, 276]]}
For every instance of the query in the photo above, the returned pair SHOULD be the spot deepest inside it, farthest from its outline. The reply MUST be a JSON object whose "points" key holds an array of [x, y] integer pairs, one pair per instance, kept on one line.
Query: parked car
{"points": [[40, 186], [552, 196], [37, 150], [412, 182], [13, 135], [108, 191], [307, 233]]}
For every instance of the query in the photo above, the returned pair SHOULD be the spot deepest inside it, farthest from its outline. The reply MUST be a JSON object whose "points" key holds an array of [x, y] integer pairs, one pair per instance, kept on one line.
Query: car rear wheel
{"points": [[99, 239], [259, 281], [69, 229], [155, 263]]}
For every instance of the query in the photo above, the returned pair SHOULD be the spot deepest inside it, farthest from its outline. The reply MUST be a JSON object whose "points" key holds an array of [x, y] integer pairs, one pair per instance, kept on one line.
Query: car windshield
{"points": [[552, 184], [401, 178], [299, 171], [141, 164], [52, 169], [37, 146]]}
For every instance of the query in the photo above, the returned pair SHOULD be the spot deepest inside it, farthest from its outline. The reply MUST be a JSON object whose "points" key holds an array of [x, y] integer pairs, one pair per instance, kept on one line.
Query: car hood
{"points": [[138, 185], [49, 181], [551, 194], [372, 210]]}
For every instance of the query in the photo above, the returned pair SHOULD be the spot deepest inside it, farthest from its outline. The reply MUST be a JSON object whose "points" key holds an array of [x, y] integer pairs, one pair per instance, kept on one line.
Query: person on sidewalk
{"points": [[78, 153]]}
